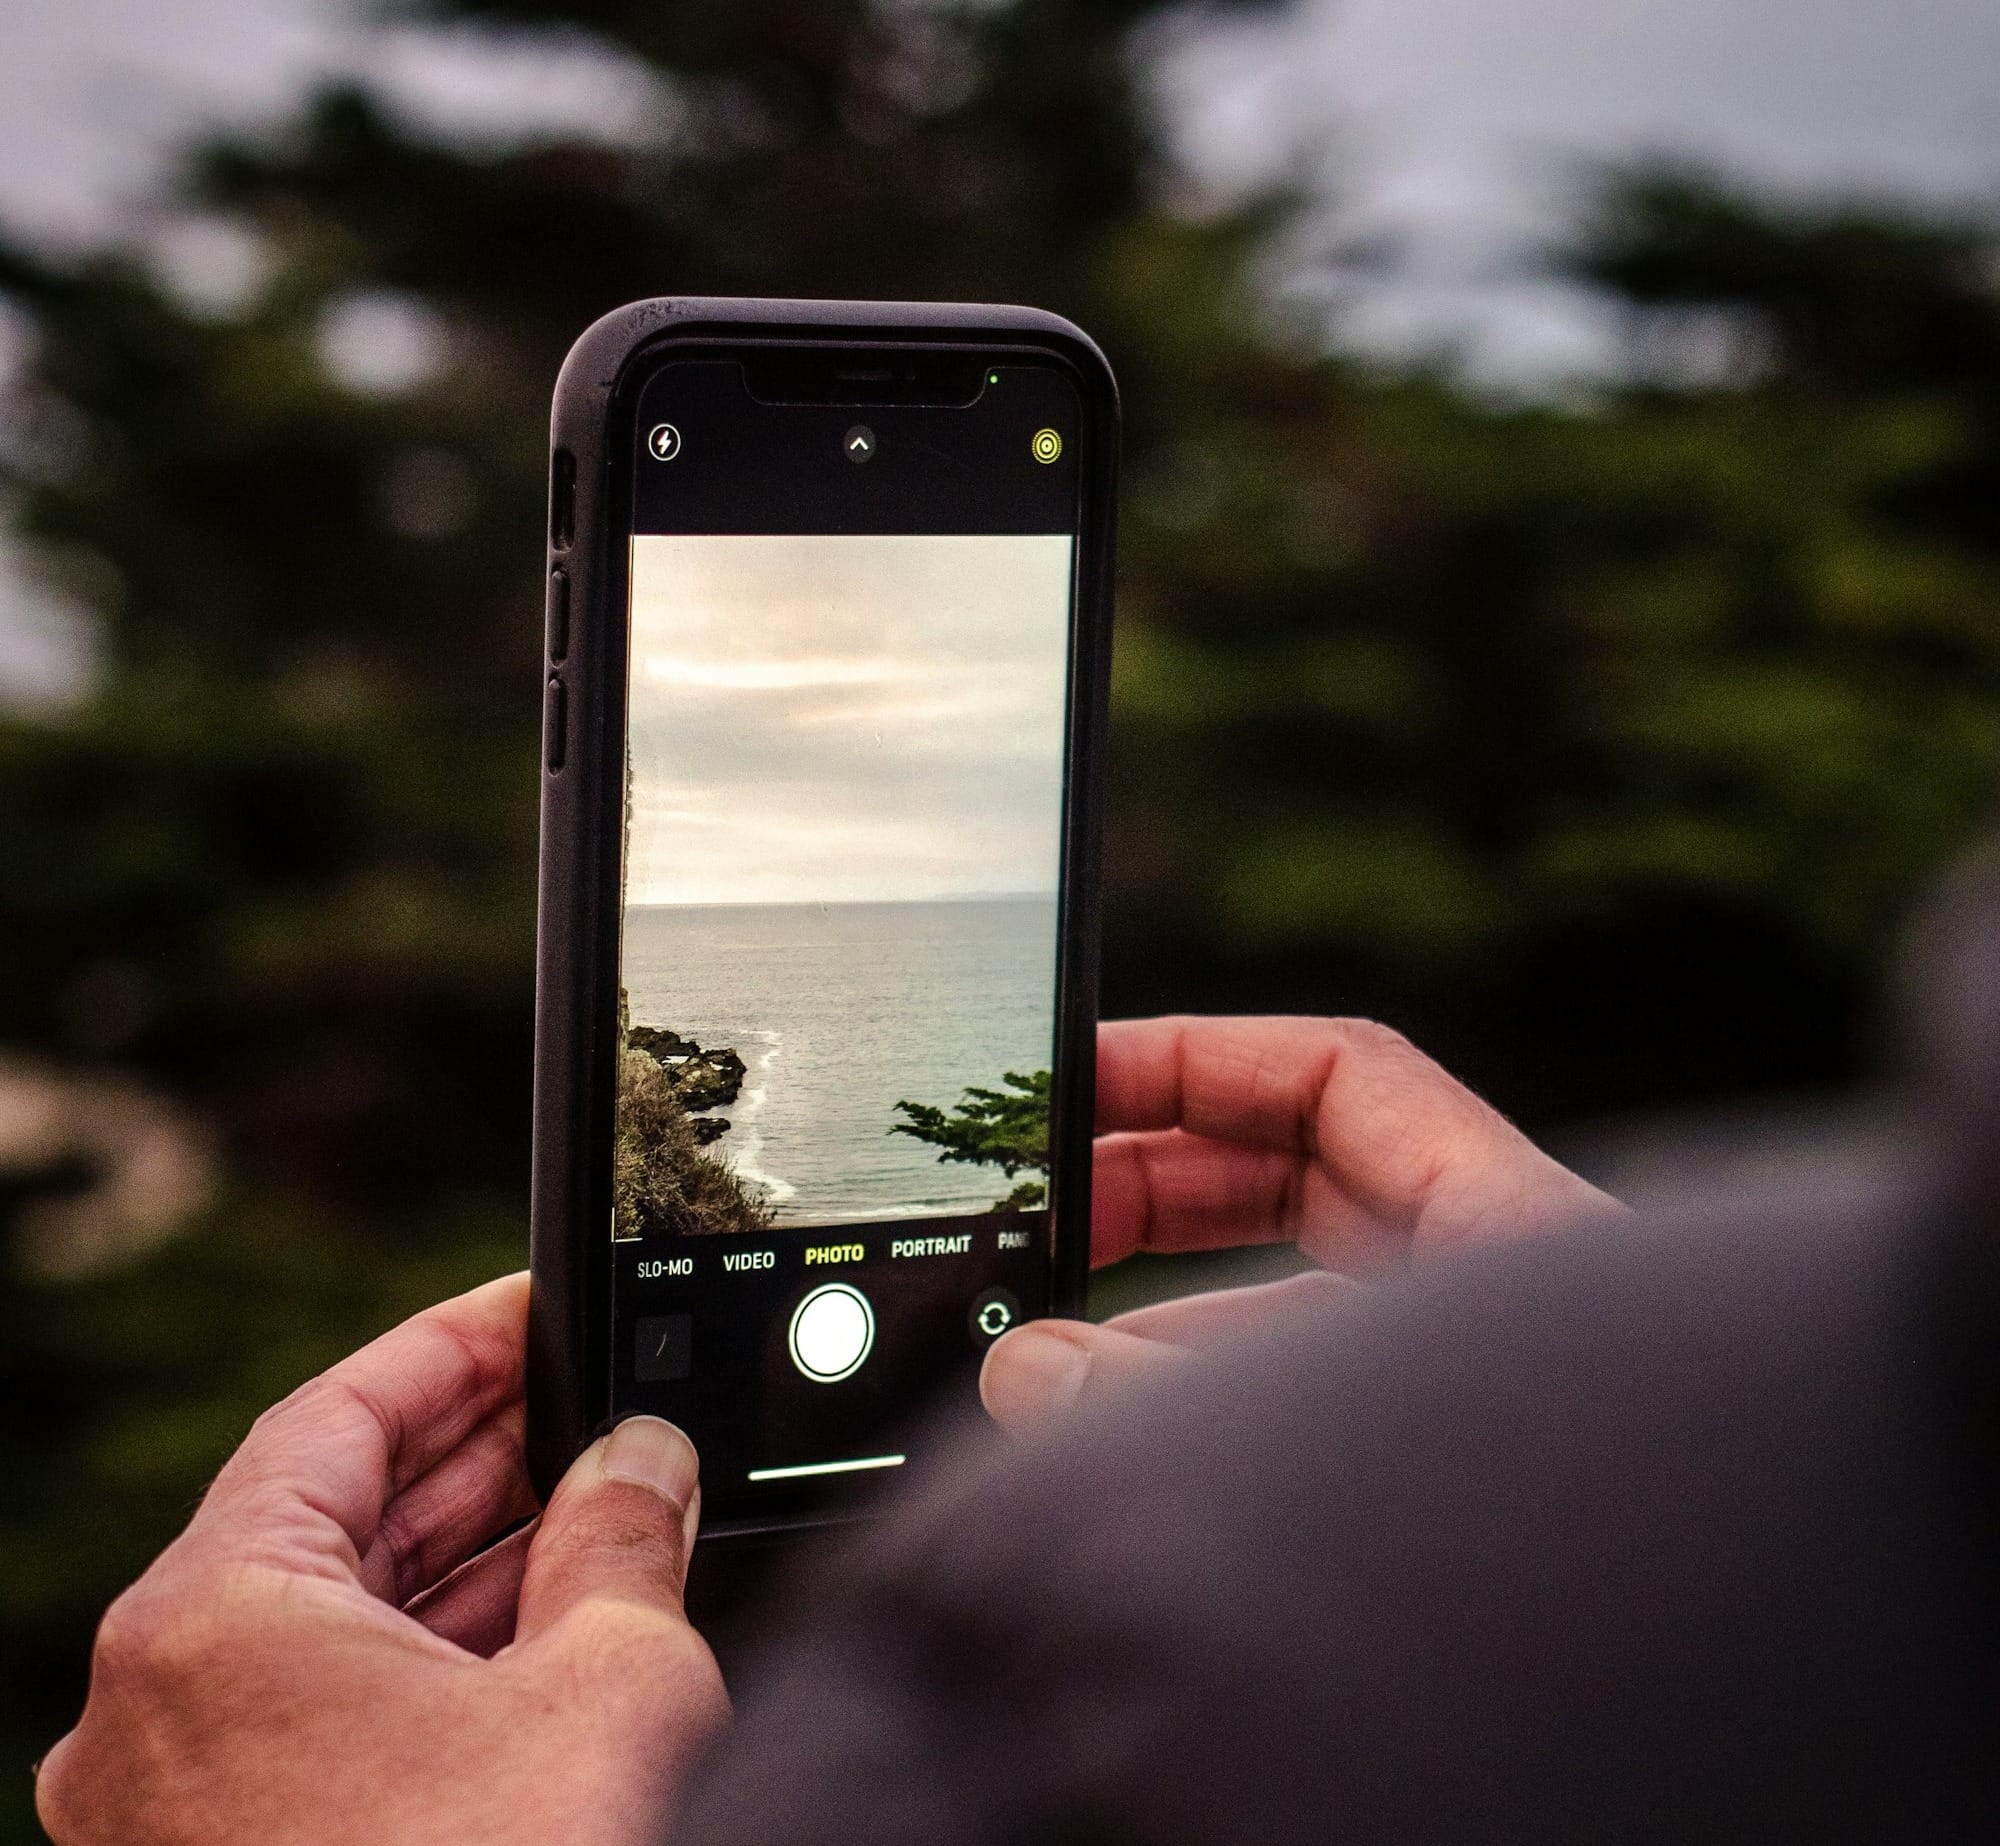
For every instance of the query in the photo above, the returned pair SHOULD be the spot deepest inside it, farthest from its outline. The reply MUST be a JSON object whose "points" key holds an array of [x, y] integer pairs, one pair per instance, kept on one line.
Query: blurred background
{"points": [[1558, 614]]}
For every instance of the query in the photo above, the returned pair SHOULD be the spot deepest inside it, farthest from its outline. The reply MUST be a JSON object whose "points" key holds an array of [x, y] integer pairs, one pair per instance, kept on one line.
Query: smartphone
{"points": [[829, 597]]}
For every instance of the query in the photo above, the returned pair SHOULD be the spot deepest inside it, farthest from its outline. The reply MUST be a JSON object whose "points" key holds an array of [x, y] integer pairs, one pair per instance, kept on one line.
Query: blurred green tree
{"points": [[284, 853], [1602, 748]]}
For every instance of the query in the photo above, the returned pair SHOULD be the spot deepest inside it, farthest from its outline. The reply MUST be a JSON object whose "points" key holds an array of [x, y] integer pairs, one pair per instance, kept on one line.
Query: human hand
{"points": [[307, 1664], [1336, 1134]]}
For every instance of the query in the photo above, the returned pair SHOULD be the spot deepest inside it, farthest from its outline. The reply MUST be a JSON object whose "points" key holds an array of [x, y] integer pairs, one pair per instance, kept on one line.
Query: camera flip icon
{"points": [[992, 1314]]}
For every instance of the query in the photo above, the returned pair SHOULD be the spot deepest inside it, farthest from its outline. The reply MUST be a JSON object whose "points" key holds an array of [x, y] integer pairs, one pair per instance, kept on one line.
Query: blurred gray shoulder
{"points": [[1654, 1508]]}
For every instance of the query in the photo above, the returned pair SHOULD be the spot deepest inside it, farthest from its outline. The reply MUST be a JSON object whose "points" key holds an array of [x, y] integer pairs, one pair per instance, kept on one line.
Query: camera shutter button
{"points": [[832, 1332]]}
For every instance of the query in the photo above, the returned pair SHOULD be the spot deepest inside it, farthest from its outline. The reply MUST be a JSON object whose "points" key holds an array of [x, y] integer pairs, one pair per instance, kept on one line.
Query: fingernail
{"points": [[651, 1453], [1049, 1368]]}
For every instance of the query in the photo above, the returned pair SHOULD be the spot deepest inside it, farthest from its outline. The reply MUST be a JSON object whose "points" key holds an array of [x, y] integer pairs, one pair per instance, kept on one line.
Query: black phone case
{"points": [[583, 770]]}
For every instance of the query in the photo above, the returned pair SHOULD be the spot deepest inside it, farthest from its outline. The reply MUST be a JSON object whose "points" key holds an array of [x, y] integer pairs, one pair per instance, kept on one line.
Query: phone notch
{"points": [[937, 381]]}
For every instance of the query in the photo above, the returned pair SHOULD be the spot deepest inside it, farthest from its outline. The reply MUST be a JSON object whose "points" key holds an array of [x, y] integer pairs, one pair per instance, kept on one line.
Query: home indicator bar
{"points": [[826, 1467]]}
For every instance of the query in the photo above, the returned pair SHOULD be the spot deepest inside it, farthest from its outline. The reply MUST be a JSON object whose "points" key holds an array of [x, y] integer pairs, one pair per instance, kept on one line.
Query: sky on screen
{"points": [[850, 719]]}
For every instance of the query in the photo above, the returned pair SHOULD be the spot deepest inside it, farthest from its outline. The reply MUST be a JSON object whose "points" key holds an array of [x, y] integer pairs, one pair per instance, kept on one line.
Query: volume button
{"points": [[562, 500], [558, 616], [555, 716]]}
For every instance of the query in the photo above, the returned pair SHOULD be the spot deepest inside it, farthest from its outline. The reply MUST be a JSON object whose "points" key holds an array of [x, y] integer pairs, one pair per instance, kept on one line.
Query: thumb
{"points": [[618, 1528], [1041, 1371]]}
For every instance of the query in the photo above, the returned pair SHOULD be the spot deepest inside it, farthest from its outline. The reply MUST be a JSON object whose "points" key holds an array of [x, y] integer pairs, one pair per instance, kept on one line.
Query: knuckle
{"points": [[403, 1544], [641, 1574], [56, 1805], [605, 1642], [629, 1650], [627, 1528], [698, 1687], [280, 1416], [1358, 1034], [333, 1400], [606, 1626], [172, 1653], [329, 1402], [148, 1639], [127, 1637]]}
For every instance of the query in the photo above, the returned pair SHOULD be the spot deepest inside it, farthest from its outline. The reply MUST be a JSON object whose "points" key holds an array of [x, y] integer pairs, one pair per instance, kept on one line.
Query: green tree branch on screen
{"points": [[1006, 1128]]}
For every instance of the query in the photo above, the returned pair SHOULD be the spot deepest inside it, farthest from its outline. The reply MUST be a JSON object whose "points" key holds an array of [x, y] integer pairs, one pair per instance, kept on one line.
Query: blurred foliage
{"points": [[1600, 747]]}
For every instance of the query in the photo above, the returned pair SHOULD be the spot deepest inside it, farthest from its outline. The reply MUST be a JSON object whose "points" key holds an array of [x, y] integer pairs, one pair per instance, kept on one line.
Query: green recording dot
{"points": [[992, 378]]}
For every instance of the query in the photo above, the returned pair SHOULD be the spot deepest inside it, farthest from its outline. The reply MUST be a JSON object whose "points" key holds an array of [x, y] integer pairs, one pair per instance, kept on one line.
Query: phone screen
{"points": [[847, 732]]}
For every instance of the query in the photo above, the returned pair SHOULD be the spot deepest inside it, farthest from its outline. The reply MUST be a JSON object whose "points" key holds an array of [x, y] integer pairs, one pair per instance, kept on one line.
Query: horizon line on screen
{"points": [[848, 903]]}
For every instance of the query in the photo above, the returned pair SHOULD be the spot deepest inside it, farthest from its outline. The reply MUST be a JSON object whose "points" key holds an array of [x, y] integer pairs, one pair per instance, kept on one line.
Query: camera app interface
{"points": [[838, 976]]}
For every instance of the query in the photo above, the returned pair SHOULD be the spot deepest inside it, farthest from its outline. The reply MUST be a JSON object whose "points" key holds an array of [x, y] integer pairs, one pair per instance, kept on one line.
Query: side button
{"points": [[558, 616], [562, 500], [555, 737]]}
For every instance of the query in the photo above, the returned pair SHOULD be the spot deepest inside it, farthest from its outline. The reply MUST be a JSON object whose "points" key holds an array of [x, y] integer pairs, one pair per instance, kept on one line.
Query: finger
{"points": [[444, 1516], [618, 1528], [1041, 1370], [1195, 1321], [1048, 1368], [1428, 1157], [1395, 1134], [473, 1608], [1171, 1190], [310, 1483], [1255, 1081]]}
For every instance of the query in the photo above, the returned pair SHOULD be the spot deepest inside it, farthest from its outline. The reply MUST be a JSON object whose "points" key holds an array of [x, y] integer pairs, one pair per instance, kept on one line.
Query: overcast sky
{"points": [[833, 720], [96, 94], [1450, 122], [1457, 126]]}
